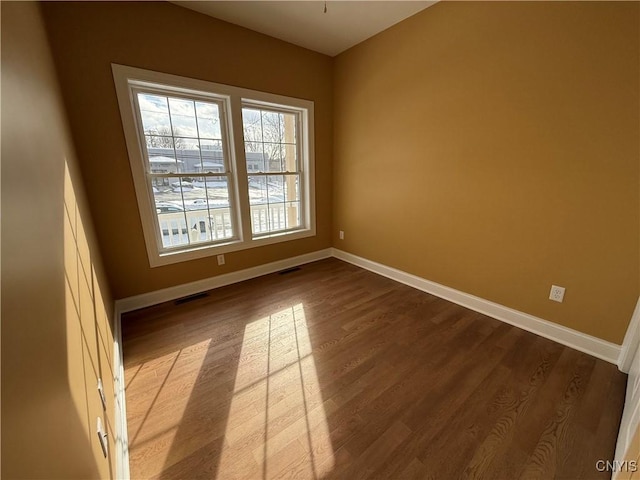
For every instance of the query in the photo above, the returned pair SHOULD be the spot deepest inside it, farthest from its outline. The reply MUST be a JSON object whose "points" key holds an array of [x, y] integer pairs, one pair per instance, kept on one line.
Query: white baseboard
{"points": [[602, 349], [631, 341], [153, 298], [572, 338], [121, 436]]}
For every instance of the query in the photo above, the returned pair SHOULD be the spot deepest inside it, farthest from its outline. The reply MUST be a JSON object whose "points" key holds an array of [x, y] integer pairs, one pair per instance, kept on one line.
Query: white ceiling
{"points": [[303, 23]]}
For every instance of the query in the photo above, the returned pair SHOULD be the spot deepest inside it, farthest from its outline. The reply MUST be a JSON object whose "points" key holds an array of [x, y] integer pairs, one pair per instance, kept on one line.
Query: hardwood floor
{"points": [[335, 372]]}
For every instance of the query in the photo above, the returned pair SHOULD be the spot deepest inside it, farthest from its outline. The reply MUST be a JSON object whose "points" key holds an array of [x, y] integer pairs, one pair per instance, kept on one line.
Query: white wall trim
{"points": [[166, 294], [121, 439], [631, 341], [597, 347], [630, 364]]}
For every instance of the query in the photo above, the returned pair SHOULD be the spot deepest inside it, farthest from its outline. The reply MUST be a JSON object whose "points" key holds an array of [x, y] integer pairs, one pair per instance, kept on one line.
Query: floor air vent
{"points": [[289, 270], [190, 298]]}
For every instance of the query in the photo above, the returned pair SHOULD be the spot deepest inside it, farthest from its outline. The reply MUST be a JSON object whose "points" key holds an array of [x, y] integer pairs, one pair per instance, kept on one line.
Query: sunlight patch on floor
{"points": [[277, 419], [179, 373]]}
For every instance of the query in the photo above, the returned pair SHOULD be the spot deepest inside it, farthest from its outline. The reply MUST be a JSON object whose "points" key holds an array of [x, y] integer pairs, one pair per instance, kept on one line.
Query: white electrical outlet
{"points": [[556, 294], [220, 259], [341, 235]]}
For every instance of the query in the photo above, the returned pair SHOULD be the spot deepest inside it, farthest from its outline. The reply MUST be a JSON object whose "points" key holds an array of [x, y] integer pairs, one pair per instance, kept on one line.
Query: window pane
{"points": [[155, 123], [274, 135], [187, 131], [183, 117], [255, 157], [284, 204], [252, 125], [162, 156], [184, 143], [275, 188], [188, 154], [253, 147], [188, 187], [159, 142], [291, 188], [293, 215], [292, 199], [257, 190], [273, 157], [212, 156], [170, 211], [288, 127], [271, 127], [206, 204], [259, 219], [275, 196], [197, 201], [161, 164], [155, 114], [197, 213], [217, 192], [152, 103], [198, 217], [289, 158], [259, 205], [275, 203], [219, 211], [277, 217], [208, 118]]}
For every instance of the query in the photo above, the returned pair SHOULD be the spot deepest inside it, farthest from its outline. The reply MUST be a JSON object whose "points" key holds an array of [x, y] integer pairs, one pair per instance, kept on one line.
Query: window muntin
{"points": [[187, 167], [272, 153]]}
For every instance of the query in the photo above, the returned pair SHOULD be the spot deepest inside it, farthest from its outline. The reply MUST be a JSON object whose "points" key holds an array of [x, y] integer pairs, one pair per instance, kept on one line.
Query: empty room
{"points": [[320, 240]]}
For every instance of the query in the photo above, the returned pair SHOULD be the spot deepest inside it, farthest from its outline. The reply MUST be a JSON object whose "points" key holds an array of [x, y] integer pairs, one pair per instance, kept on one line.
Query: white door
{"points": [[630, 363]]}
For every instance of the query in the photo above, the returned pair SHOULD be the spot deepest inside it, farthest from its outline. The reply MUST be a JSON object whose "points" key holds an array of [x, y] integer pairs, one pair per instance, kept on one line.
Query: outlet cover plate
{"points": [[556, 294]]}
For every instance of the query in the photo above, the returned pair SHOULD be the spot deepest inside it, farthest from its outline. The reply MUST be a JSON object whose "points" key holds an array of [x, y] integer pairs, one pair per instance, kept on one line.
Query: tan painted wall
{"points": [[88, 36], [494, 147], [56, 308]]}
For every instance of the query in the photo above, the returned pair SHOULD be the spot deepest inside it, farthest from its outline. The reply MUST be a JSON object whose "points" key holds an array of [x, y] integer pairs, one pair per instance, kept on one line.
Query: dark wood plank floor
{"points": [[335, 372]]}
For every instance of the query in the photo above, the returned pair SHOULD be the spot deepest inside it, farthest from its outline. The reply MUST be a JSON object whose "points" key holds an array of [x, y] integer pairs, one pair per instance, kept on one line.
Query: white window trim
{"points": [[234, 98]]}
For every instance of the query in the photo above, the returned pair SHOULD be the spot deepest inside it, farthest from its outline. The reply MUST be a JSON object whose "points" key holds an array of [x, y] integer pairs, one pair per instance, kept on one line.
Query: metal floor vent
{"points": [[190, 298], [289, 270]]}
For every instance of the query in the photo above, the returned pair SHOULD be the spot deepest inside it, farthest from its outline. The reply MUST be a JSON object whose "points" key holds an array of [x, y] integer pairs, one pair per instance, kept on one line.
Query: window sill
{"points": [[168, 258]]}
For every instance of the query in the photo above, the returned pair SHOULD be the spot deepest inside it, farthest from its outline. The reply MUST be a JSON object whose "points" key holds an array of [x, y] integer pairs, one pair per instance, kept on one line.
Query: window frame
{"points": [[128, 79]]}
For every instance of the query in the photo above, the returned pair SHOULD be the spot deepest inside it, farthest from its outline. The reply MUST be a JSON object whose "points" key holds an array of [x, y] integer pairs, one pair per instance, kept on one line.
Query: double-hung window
{"points": [[186, 156], [273, 173], [216, 168]]}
